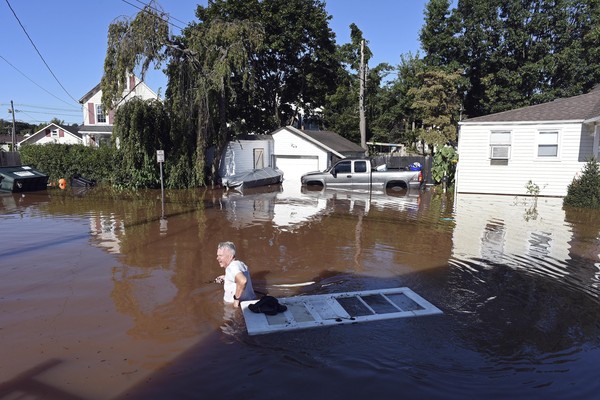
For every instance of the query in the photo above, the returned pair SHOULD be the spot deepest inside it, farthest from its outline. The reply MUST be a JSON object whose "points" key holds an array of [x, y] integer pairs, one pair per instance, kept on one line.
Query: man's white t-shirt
{"points": [[231, 271]]}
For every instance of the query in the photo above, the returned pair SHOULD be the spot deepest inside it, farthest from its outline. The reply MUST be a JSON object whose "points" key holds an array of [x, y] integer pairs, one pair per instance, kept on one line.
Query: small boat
{"points": [[256, 177]]}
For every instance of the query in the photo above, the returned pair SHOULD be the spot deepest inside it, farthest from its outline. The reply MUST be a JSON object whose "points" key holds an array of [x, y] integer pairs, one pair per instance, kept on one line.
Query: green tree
{"points": [[584, 191], [438, 103], [201, 65], [139, 131], [396, 115], [341, 113], [515, 53], [438, 34], [295, 69]]}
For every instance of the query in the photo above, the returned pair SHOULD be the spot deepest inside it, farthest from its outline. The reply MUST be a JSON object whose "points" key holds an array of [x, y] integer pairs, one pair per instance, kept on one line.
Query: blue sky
{"points": [[71, 37]]}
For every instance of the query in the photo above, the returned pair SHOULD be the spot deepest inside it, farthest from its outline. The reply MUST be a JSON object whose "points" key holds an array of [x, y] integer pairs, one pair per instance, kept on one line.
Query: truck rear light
{"points": [[420, 176]]}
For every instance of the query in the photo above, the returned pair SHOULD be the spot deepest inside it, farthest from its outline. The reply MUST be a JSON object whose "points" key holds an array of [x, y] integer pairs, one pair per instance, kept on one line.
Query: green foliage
{"points": [[342, 113], [393, 118], [437, 102], [140, 41], [295, 68], [584, 191], [444, 165], [515, 53], [205, 65], [533, 189], [65, 161], [141, 128]]}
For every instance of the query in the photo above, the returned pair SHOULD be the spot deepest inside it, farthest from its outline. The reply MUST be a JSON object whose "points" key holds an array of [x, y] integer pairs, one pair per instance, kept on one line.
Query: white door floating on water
{"points": [[338, 308]]}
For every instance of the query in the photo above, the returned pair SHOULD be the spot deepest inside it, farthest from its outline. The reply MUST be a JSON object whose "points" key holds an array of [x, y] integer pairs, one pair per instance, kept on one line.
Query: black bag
{"points": [[268, 305]]}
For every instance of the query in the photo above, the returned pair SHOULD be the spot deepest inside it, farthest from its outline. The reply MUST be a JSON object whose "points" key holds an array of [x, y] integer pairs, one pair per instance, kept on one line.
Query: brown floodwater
{"points": [[101, 298]]}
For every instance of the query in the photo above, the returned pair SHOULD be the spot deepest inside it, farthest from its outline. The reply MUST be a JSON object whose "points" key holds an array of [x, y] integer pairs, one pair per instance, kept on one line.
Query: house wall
{"points": [[552, 175], [238, 156], [45, 136], [89, 107], [300, 155]]}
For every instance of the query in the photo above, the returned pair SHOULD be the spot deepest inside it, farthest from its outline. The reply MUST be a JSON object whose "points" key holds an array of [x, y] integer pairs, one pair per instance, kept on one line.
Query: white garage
{"points": [[295, 166], [299, 151]]}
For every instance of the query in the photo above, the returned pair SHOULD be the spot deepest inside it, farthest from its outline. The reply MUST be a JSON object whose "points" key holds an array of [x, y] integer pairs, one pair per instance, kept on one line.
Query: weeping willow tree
{"points": [[139, 126], [203, 64]]}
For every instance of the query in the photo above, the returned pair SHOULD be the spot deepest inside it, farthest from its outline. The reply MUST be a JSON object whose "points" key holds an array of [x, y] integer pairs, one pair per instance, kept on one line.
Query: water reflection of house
{"points": [[106, 231], [288, 210], [268, 205], [498, 230]]}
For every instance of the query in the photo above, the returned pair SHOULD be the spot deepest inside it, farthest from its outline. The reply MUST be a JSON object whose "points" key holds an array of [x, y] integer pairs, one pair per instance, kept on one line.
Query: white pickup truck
{"points": [[361, 174]]}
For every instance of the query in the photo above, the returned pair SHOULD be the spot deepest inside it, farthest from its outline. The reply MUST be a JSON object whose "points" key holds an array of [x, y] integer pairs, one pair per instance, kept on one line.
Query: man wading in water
{"points": [[237, 285]]}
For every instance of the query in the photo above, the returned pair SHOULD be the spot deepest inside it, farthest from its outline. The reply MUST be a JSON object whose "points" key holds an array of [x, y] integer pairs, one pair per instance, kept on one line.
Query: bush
{"points": [[584, 191], [444, 165], [66, 160]]}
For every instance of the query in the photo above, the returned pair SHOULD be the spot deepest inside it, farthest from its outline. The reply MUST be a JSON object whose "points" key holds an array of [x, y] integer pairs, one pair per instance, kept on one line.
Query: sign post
{"points": [[160, 158]]}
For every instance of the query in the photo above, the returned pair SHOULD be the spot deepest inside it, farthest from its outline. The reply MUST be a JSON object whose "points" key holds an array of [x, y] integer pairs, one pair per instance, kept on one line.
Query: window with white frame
{"points": [[500, 145], [54, 133], [547, 144], [100, 116]]}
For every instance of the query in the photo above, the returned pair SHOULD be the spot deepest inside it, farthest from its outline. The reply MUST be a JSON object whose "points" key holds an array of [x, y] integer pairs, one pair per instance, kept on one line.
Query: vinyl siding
{"points": [[239, 156], [476, 175], [290, 144]]}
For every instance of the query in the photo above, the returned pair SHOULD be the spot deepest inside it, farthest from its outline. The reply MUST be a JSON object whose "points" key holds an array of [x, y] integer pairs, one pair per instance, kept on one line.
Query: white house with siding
{"points": [[54, 133], [97, 122], [547, 144], [299, 151]]}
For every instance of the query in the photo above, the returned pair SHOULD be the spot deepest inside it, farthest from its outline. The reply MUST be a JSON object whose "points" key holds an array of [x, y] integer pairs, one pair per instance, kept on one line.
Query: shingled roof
{"points": [[334, 141], [584, 107]]}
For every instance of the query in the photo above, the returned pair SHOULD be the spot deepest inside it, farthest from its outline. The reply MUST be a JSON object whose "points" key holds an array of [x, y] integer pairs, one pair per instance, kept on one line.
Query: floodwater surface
{"points": [[103, 298]]}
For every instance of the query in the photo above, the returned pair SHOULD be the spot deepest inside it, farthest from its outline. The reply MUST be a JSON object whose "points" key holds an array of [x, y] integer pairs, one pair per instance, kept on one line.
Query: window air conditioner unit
{"points": [[500, 152]]}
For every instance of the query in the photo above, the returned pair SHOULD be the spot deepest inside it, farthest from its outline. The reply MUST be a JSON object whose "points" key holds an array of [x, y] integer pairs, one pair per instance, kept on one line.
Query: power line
{"points": [[42, 112], [49, 108], [40, 54], [157, 10], [148, 12], [35, 83]]}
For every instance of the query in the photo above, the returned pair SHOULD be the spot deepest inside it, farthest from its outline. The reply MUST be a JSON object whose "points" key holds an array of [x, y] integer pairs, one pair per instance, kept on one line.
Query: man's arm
{"points": [[240, 285]]}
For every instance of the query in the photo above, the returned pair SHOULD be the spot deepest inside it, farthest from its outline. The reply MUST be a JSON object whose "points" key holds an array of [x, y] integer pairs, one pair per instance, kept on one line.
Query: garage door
{"points": [[294, 167]]}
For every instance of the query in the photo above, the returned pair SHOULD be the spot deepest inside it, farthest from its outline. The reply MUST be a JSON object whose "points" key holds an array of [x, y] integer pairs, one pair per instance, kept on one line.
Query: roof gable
{"points": [[577, 108], [71, 130], [327, 139], [126, 92]]}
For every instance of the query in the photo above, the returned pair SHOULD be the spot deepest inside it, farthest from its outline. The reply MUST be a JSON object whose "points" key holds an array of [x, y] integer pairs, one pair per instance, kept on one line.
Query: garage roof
{"points": [[328, 139]]}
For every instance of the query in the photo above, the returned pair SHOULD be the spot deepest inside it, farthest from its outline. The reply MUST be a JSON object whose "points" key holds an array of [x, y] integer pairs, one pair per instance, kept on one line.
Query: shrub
{"points": [[444, 165], [66, 160], [584, 191]]}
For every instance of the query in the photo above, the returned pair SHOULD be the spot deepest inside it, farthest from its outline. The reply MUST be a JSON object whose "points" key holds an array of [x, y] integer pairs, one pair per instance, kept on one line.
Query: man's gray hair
{"points": [[227, 245]]}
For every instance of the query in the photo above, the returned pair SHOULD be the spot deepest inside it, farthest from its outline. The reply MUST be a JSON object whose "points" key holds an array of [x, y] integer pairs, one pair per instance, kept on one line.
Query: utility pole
{"points": [[361, 98], [14, 131]]}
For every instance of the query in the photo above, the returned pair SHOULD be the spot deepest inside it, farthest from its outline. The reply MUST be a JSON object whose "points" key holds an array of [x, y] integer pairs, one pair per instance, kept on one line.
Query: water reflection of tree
{"points": [[584, 250], [585, 228], [156, 279]]}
